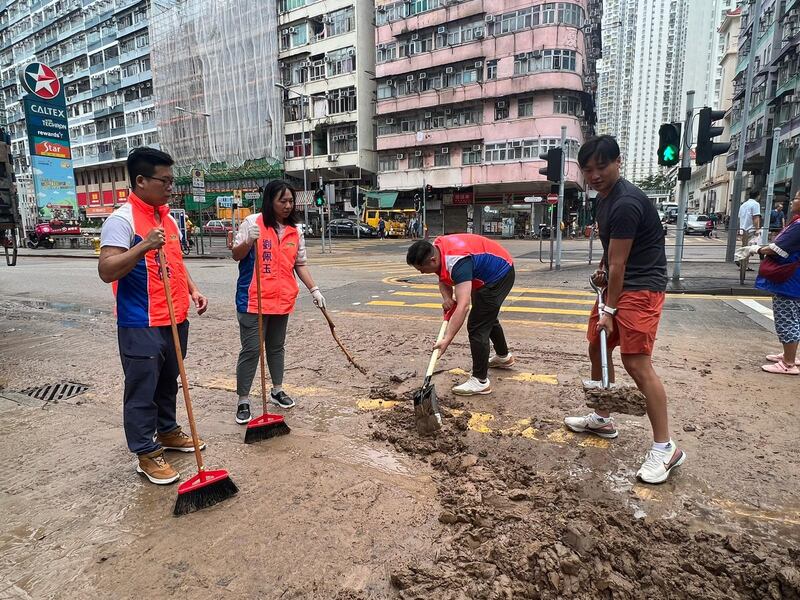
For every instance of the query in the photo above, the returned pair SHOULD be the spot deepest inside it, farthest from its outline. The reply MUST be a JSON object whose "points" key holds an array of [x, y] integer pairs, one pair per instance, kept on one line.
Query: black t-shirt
{"points": [[626, 213]]}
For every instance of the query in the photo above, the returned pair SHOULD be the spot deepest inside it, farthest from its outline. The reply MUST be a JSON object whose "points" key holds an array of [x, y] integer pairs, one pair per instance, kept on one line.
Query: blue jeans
{"points": [[151, 383]]}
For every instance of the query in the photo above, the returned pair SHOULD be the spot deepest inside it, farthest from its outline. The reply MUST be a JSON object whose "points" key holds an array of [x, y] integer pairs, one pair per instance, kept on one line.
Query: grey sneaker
{"points": [[502, 362], [590, 424]]}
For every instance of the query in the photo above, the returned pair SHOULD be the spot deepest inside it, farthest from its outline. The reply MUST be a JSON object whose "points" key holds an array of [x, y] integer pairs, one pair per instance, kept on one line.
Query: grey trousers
{"points": [[274, 338]]}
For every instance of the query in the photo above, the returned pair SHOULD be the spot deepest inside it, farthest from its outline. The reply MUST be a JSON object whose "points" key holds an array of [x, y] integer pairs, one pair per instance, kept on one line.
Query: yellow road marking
{"points": [[562, 436], [521, 309], [511, 298], [534, 378], [370, 404], [522, 428], [519, 290], [458, 371], [431, 319], [478, 421]]}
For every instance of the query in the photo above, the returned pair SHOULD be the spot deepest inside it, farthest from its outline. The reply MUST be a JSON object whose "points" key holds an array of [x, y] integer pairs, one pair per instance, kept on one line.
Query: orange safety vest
{"points": [[491, 261], [140, 296], [279, 287]]}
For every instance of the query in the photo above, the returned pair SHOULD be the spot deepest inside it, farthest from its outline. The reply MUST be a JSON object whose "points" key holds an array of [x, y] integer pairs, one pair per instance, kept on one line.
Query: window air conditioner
{"points": [[449, 70], [328, 59], [417, 152], [423, 75], [351, 52], [445, 150], [478, 64], [381, 46], [409, 78], [291, 30], [400, 156], [390, 121], [479, 33], [428, 115], [441, 29], [476, 147], [390, 82], [447, 111], [536, 54], [501, 104], [333, 157], [489, 18], [414, 37]]}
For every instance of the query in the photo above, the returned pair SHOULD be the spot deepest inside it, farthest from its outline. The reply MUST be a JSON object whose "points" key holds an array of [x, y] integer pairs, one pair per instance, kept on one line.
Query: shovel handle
{"points": [[603, 337], [179, 355], [435, 355]]}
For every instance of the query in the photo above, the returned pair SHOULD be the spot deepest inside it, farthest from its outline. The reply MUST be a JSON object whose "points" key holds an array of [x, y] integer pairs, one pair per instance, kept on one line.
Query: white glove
{"points": [[319, 299], [746, 252], [253, 233]]}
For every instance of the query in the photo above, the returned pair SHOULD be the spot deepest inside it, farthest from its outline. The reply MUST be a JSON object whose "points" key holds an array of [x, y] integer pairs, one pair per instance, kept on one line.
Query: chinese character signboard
{"points": [[48, 139]]}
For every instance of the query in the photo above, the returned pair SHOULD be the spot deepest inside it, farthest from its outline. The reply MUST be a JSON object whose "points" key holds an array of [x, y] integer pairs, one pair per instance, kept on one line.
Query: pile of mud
{"points": [[517, 533]]}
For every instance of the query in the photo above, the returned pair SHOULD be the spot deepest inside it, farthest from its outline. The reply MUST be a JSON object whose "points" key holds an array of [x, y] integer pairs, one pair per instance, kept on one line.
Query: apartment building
{"points": [[100, 50], [469, 93], [327, 63]]}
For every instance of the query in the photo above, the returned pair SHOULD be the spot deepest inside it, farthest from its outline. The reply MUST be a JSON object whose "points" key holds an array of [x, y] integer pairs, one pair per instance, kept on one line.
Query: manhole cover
{"points": [[56, 391]]}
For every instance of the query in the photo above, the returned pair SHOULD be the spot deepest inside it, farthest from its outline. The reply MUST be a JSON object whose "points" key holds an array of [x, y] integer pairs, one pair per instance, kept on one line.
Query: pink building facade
{"points": [[469, 93]]}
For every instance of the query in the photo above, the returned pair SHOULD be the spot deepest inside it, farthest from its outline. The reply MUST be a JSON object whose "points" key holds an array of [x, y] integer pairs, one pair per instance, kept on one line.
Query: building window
{"points": [[287, 5], [415, 161], [387, 162], [441, 158], [470, 155], [343, 139], [566, 105], [529, 149], [387, 53], [500, 110], [525, 107], [294, 145], [549, 13], [343, 100], [316, 69], [491, 69], [570, 14], [516, 21], [385, 91], [547, 60], [341, 61], [340, 21]]}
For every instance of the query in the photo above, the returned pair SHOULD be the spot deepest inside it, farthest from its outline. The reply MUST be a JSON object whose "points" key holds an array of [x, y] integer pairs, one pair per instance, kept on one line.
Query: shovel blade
{"points": [[426, 410]]}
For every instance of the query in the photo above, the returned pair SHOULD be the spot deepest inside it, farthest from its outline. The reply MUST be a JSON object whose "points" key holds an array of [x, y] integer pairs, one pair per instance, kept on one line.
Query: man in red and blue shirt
{"points": [[477, 271], [129, 260]]}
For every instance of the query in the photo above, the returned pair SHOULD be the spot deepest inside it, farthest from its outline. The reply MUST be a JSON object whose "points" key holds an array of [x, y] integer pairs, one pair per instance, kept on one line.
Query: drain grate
{"points": [[56, 391]]}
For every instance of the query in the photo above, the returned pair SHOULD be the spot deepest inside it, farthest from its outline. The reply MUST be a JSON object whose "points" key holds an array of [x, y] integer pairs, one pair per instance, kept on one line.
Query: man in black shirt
{"points": [[633, 251]]}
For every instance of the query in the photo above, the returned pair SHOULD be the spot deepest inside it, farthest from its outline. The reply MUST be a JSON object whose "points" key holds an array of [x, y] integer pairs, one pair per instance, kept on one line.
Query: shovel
{"points": [[426, 406], [622, 399]]}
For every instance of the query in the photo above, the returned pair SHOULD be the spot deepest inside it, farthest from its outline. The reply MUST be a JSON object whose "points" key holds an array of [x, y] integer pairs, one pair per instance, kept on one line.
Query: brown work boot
{"points": [[156, 469], [177, 440]]}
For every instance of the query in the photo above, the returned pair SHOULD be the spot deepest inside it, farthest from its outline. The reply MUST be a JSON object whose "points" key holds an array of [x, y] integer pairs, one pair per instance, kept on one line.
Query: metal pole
{"points": [[358, 216], [736, 197], [552, 232], [684, 191], [560, 210], [322, 217], [776, 139], [424, 210], [305, 174]]}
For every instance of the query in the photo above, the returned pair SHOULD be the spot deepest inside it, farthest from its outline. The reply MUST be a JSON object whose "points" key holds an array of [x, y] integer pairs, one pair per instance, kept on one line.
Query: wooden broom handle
{"points": [[179, 354], [260, 327]]}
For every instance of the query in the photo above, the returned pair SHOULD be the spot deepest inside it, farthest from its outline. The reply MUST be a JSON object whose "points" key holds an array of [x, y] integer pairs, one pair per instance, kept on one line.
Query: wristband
{"points": [[609, 311], [313, 289]]}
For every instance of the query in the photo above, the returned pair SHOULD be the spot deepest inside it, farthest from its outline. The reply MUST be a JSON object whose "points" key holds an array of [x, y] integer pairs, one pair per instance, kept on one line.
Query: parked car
{"points": [[217, 227], [347, 228], [696, 224]]}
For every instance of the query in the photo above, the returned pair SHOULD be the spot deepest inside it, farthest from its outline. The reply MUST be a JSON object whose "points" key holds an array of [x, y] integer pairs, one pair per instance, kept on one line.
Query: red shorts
{"points": [[635, 324]]}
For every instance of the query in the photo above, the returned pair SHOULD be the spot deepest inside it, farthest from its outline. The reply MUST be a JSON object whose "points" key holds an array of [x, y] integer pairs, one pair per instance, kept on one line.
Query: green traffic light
{"points": [[670, 154]]}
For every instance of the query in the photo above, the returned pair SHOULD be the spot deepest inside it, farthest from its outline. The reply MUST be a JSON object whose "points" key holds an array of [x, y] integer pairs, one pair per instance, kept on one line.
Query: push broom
{"points": [[267, 425], [207, 487]]}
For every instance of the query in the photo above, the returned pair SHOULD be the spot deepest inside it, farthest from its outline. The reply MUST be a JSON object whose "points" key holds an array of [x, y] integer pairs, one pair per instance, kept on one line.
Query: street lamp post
{"points": [[303, 99]]}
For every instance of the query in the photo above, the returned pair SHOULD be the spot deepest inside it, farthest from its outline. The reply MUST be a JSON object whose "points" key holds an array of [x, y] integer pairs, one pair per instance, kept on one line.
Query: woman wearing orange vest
{"points": [[283, 253]]}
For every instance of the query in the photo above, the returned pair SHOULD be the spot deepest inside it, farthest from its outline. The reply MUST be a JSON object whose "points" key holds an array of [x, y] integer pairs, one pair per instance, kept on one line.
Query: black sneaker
{"points": [[243, 414], [281, 399]]}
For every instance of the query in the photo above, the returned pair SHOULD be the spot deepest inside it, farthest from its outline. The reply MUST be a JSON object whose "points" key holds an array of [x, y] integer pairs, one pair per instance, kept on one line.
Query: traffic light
{"points": [[706, 148], [669, 144], [428, 189], [319, 197], [417, 203], [553, 169], [354, 197]]}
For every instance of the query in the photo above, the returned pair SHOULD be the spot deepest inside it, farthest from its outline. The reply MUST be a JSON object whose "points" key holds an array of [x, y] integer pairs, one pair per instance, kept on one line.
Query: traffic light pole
{"points": [[773, 160], [358, 215], [322, 217], [683, 201], [560, 216], [736, 196], [424, 210]]}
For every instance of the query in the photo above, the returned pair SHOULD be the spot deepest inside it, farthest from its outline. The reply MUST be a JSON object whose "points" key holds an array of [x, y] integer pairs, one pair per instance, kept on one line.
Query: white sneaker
{"points": [[593, 384], [472, 387], [502, 362], [658, 464], [591, 424]]}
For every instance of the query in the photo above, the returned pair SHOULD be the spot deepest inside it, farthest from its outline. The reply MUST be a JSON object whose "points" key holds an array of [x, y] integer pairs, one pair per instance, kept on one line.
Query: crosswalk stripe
{"points": [[520, 309], [510, 298], [759, 308]]}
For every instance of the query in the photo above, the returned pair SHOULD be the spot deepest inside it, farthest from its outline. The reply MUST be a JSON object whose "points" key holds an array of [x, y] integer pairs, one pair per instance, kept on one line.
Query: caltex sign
{"points": [[40, 80]]}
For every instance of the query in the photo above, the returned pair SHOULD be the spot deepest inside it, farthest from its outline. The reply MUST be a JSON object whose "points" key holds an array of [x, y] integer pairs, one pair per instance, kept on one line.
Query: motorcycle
{"points": [[41, 236]]}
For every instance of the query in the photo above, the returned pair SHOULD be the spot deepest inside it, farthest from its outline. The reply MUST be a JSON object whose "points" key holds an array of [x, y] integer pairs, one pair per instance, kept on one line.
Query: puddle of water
{"points": [[64, 307], [375, 458]]}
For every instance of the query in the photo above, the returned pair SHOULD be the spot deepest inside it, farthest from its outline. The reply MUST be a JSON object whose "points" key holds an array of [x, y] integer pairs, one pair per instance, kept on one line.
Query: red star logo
{"points": [[42, 81]]}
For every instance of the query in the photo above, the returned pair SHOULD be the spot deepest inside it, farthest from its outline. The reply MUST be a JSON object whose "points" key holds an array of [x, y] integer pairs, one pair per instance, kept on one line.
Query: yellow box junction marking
{"points": [[478, 421], [516, 309], [370, 404], [534, 378]]}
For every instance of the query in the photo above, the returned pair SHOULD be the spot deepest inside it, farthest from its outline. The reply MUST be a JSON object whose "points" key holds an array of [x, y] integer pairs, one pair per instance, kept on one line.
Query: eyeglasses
{"points": [[167, 181]]}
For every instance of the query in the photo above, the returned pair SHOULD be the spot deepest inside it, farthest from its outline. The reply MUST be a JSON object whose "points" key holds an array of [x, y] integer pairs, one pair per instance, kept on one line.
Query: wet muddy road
{"points": [[504, 503]]}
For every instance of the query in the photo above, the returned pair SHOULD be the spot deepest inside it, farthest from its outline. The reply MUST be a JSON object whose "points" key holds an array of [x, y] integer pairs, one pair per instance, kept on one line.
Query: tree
{"points": [[659, 181]]}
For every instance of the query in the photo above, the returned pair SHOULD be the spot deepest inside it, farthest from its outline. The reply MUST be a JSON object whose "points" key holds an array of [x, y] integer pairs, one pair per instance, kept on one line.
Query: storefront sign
{"points": [[462, 197], [54, 186]]}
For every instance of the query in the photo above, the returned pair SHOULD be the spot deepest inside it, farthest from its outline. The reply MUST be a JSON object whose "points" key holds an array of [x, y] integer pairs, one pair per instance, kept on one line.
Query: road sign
{"points": [[552, 198], [534, 199]]}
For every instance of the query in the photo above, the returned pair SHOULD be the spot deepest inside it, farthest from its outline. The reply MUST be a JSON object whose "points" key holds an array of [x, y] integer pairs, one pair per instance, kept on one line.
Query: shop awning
{"points": [[385, 199]]}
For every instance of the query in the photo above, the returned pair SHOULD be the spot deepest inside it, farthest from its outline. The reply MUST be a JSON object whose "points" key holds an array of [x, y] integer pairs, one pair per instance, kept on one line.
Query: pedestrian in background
{"points": [[780, 274], [381, 228], [274, 233], [129, 244], [633, 251], [750, 218], [777, 220]]}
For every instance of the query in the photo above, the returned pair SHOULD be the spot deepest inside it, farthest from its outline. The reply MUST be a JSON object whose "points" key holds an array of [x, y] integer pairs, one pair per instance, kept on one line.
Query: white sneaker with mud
{"points": [[156, 469], [502, 362], [472, 387], [593, 384], [659, 464], [591, 423]]}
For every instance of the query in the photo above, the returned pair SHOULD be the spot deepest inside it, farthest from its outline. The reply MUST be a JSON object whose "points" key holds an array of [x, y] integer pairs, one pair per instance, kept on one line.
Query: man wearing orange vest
{"points": [[472, 269], [129, 242]]}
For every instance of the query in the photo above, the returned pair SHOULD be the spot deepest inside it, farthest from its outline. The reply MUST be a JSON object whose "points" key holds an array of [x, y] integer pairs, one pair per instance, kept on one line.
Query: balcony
{"points": [[121, 5], [137, 78], [141, 24], [8, 82], [71, 55], [116, 131], [109, 110], [80, 96], [131, 105], [97, 19], [133, 54]]}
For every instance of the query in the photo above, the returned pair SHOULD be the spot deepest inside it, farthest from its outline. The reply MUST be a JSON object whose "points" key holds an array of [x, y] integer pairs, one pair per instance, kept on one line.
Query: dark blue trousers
{"points": [[151, 383]]}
